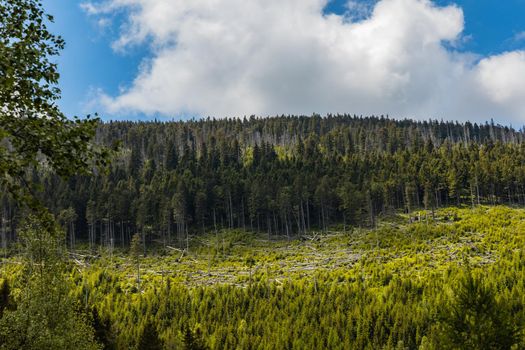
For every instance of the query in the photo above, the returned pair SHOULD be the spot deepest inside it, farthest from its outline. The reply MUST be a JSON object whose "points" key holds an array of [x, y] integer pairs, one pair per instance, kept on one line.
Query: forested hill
{"points": [[282, 175], [346, 133]]}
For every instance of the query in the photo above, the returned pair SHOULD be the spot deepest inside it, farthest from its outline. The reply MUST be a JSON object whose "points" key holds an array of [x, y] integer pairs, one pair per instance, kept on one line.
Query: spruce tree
{"points": [[149, 338]]}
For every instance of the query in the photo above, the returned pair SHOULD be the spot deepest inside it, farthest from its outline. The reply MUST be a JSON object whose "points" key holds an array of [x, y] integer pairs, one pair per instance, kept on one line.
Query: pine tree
{"points": [[474, 319], [149, 338], [103, 332], [192, 340], [5, 297]]}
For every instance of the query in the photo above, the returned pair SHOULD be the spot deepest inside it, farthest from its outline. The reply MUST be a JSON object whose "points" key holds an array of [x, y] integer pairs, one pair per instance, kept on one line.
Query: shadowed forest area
{"points": [[280, 176]]}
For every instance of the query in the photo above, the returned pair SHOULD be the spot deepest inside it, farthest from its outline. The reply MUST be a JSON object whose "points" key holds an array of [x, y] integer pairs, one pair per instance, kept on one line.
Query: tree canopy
{"points": [[36, 136], [282, 175], [33, 130]]}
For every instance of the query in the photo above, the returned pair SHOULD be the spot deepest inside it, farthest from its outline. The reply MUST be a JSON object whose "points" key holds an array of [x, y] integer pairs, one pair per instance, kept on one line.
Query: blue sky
{"points": [[90, 66], [88, 61]]}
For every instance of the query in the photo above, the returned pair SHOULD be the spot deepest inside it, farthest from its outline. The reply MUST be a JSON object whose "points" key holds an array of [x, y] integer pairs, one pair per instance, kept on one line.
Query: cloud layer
{"points": [[265, 57]]}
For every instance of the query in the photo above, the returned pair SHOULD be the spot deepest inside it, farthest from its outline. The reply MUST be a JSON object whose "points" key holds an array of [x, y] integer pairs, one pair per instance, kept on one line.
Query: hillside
{"points": [[399, 286], [277, 230], [339, 232], [278, 176]]}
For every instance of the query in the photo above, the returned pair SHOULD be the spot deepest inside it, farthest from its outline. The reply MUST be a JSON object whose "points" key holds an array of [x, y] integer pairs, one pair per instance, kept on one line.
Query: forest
{"points": [[284, 232], [453, 280], [291, 232], [282, 176]]}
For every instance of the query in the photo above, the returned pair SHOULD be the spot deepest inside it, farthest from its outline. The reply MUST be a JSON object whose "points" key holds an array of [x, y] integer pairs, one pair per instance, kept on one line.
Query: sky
{"points": [[178, 59]]}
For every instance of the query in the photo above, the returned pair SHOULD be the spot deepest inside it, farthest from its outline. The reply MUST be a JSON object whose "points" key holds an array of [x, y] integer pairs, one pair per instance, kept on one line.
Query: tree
{"points": [[5, 299], [179, 204], [352, 202], [474, 319], [149, 338], [32, 128], [192, 340], [201, 204], [45, 316], [103, 332], [135, 249], [324, 196], [35, 133], [68, 217], [250, 263], [172, 159]]}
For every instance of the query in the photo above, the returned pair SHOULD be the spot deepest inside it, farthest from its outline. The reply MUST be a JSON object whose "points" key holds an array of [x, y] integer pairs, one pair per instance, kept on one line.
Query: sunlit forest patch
{"points": [[384, 287]]}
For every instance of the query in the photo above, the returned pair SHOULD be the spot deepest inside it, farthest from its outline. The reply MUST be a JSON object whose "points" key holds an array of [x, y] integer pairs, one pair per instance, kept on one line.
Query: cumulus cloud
{"points": [[265, 57], [502, 79]]}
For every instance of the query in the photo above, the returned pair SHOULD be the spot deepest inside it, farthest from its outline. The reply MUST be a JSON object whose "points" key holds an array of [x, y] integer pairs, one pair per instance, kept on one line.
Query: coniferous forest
{"points": [[286, 232], [281, 176]]}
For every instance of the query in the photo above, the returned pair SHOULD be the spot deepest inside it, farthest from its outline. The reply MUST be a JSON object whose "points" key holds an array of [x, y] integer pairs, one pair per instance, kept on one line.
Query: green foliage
{"points": [[135, 250], [36, 136], [381, 288], [402, 285], [103, 330], [5, 298], [192, 339], [46, 316], [475, 319], [149, 338], [173, 182], [33, 131]]}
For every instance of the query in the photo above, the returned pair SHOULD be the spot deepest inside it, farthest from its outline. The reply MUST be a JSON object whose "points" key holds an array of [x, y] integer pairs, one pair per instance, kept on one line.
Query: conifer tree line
{"points": [[280, 176]]}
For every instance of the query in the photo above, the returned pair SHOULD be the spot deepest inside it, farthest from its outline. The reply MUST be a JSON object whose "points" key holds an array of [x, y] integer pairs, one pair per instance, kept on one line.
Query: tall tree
{"points": [[31, 124]]}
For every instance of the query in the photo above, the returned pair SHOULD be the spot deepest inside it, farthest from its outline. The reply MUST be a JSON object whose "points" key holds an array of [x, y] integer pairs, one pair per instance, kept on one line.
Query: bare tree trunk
{"points": [[268, 225], [242, 215], [307, 213], [302, 221], [187, 239], [72, 230], [121, 234], [4, 232], [169, 230], [275, 223], [143, 240], [231, 208], [286, 225]]}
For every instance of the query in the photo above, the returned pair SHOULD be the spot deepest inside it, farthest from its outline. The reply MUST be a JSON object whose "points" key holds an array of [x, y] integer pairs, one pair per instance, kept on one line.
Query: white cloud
{"points": [[265, 57], [502, 78]]}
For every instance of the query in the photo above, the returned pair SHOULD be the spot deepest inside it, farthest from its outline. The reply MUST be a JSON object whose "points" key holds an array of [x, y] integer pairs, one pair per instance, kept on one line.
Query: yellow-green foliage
{"points": [[360, 289], [283, 153], [247, 156]]}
